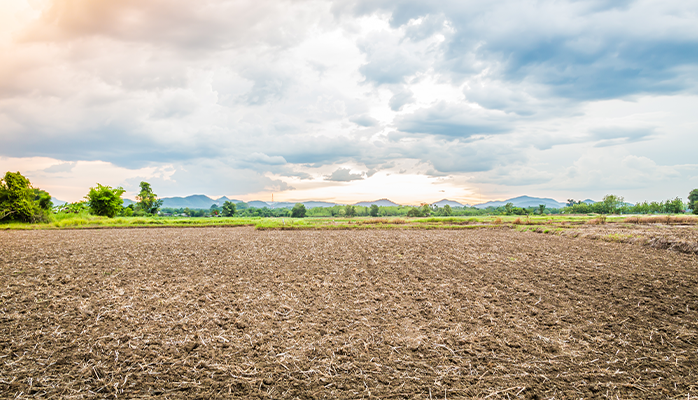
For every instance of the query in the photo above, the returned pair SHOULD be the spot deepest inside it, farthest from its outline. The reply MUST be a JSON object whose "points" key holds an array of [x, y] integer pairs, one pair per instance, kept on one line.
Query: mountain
{"points": [[379, 203], [127, 202], [451, 203], [313, 204], [223, 199], [57, 202], [287, 204], [258, 204], [524, 201], [193, 201], [588, 201]]}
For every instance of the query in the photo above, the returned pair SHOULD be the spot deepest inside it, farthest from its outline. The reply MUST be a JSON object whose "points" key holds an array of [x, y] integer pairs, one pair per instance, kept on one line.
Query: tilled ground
{"points": [[679, 238], [239, 313]]}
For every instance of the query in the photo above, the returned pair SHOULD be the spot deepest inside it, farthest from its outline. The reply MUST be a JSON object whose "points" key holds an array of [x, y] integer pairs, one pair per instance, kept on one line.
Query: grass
{"points": [[550, 223]]}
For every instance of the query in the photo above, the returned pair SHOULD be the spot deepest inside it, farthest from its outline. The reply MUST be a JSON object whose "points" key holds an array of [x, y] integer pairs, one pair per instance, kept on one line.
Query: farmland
{"points": [[598, 311]]}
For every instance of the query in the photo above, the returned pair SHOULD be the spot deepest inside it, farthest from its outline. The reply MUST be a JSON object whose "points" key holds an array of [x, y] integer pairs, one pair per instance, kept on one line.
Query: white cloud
{"points": [[244, 97]]}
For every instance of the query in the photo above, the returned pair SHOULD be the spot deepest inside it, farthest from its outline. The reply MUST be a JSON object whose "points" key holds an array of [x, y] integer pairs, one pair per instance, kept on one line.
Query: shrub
{"points": [[105, 201], [298, 211], [20, 202]]}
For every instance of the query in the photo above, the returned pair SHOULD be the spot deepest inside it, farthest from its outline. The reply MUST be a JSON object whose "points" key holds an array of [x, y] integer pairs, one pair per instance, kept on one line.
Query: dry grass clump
{"points": [[498, 221], [374, 221], [527, 221], [600, 220], [398, 221], [663, 219]]}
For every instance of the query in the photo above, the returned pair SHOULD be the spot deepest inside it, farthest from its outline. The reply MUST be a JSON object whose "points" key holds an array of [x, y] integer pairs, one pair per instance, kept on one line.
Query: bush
{"points": [[298, 211], [415, 212], [228, 209], [105, 201], [20, 202]]}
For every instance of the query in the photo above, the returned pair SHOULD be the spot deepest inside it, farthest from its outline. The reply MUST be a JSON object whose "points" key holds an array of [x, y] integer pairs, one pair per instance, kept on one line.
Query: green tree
{"points": [[447, 211], [105, 201], [374, 210], [612, 204], [20, 202], [674, 206], [298, 211], [148, 201], [43, 199], [415, 212], [228, 209], [693, 201], [127, 211], [350, 211], [509, 208], [426, 210]]}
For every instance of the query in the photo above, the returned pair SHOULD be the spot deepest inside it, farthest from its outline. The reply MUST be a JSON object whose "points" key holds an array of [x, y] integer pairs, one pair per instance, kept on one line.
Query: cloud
{"points": [[344, 175], [62, 167], [400, 99], [454, 121], [262, 158], [179, 23], [614, 135], [364, 120], [578, 50], [297, 89]]}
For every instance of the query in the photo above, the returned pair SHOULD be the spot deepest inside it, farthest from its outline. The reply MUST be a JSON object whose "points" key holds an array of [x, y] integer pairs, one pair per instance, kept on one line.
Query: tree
{"points": [[298, 211], [612, 204], [447, 210], [415, 212], [19, 201], [228, 209], [509, 208], [148, 201], [541, 209], [693, 201], [374, 210], [350, 211], [426, 210], [105, 201], [674, 206]]}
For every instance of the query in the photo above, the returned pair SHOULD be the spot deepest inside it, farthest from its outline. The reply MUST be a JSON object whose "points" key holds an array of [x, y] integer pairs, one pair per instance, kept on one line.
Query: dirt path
{"points": [[238, 313]]}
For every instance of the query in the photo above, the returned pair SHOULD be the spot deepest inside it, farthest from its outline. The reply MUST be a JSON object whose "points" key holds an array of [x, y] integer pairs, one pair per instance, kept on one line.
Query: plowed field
{"points": [[238, 313]]}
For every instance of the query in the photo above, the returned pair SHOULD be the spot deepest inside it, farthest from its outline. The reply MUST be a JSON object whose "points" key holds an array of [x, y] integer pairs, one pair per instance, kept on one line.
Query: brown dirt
{"points": [[679, 238], [237, 313]]}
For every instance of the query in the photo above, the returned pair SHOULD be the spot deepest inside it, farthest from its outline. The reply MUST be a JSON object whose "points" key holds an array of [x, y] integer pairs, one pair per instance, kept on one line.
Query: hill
{"points": [[450, 203], [524, 201], [379, 203]]}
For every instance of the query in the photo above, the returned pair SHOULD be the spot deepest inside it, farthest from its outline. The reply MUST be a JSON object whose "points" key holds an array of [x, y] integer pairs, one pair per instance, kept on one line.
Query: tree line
{"points": [[612, 204], [20, 201]]}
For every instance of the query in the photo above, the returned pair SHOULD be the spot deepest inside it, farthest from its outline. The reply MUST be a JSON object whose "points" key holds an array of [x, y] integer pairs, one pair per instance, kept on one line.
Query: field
{"points": [[220, 312]]}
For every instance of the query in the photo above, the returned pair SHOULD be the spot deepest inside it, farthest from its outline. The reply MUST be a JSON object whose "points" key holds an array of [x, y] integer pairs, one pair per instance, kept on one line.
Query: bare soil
{"points": [[184, 313]]}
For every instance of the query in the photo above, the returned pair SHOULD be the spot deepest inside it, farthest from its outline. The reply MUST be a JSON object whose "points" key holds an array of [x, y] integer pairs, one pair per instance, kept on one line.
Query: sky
{"points": [[352, 100]]}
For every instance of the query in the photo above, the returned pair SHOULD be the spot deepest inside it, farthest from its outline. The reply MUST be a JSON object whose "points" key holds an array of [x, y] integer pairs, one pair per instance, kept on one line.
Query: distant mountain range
{"points": [[57, 202], [379, 203], [524, 201], [450, 203], [200, 201]]}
